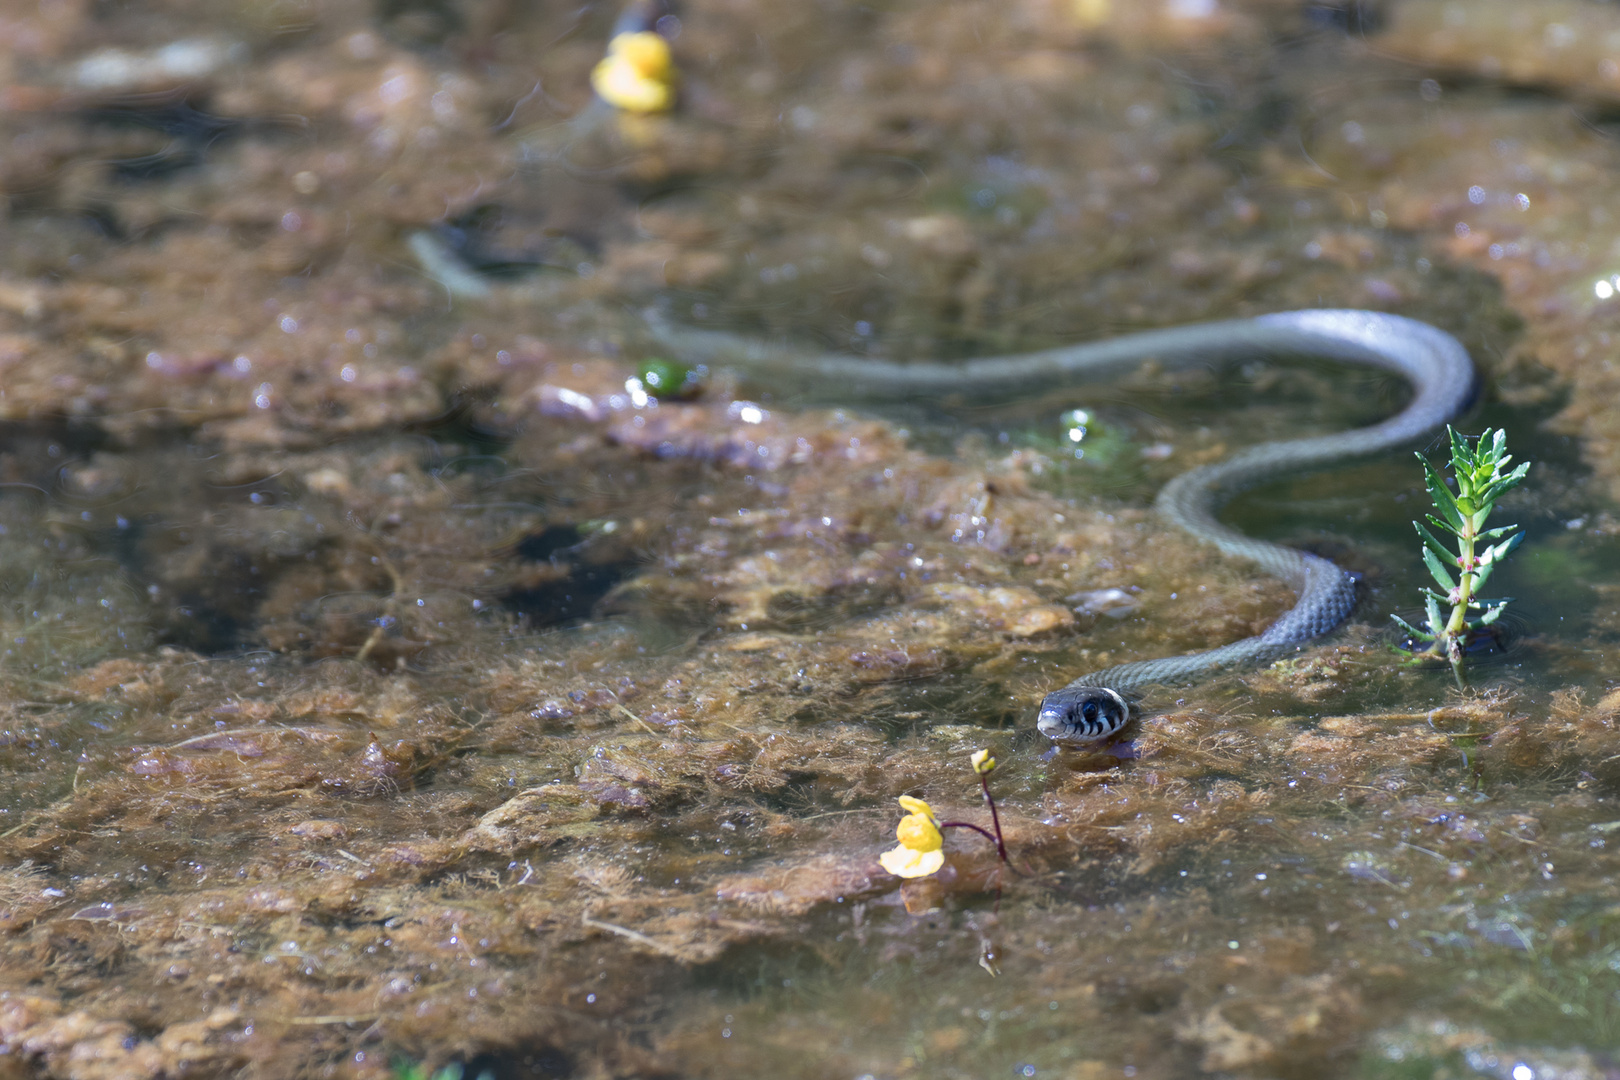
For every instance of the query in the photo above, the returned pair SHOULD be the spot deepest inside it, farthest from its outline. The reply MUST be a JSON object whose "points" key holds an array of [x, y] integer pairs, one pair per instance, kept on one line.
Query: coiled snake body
{"points": [[1093, 706]]}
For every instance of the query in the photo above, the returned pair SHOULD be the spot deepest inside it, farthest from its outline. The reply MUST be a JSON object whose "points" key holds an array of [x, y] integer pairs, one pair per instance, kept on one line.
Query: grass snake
{"points": [[1093, 707]]}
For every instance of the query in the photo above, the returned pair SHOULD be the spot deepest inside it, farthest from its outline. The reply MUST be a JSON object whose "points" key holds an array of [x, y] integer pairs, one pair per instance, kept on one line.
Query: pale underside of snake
{"points": [[1093, 707]]}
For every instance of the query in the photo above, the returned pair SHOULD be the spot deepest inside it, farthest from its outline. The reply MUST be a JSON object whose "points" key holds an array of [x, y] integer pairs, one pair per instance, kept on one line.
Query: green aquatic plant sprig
{"points": [[1478, 469], [666, 378], [405, 1069]]}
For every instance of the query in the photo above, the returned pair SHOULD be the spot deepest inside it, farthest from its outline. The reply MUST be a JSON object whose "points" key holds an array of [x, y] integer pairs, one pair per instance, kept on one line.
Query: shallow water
{"points": [[384, 682]]}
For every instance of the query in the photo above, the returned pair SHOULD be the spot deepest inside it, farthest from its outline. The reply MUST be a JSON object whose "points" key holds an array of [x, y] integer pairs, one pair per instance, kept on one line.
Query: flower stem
{"points": [[995, 818], [981, 830], [995, 838]]}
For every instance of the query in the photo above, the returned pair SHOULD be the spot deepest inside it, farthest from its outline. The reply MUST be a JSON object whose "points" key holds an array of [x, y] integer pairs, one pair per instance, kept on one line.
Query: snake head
{"points": [[1082, 714]]}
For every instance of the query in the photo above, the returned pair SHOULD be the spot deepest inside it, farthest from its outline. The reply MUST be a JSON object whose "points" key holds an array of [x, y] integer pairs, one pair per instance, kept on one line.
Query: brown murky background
{"points": [[385, 680]]}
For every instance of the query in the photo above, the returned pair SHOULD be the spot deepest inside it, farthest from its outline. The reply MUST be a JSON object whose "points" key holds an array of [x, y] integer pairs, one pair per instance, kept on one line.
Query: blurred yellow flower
{"points": [[920, 852], [1093, 12], [983, 763], [637, 75]]}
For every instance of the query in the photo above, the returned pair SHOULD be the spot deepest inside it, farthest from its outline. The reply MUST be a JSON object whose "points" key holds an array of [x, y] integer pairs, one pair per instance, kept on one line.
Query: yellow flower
{"points": [[647, 52], [983, 763], [637, 75], [1093, 12], [920, 852], [916, 806]]}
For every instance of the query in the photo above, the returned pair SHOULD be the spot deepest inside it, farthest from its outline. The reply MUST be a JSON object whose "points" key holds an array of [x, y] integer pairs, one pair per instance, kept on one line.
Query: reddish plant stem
{"points": [[978, 829], [996, 837], [995, 818]]}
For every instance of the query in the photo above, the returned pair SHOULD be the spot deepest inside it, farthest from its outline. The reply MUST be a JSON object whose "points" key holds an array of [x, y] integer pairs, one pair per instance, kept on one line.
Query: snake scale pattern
{"points": [[1093, 707]]}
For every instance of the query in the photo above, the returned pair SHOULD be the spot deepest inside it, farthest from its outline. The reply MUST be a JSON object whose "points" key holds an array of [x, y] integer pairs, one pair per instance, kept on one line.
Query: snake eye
{"points": [[1089, 711]]}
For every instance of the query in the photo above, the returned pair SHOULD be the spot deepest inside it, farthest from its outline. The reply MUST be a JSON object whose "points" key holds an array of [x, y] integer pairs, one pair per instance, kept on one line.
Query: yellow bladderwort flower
{"points": [[1093, 12], [921, 845], [637, 75], [983, 763]]}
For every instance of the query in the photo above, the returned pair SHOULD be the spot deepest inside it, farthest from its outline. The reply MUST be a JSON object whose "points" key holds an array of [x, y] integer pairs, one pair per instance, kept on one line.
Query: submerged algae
{"points": [[382, 678]]}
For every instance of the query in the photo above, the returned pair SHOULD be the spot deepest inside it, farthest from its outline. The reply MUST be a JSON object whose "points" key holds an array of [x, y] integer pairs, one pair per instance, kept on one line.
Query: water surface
{"points": [[386, 680]]}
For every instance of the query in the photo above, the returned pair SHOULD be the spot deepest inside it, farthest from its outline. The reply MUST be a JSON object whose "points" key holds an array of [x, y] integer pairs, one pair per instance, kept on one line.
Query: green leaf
{"points": [[1497, 552], [1414, 631], [1433, 543], [1444, 501], [1442, 526], [1431, 606], [1502, 484], [1492, 556], [1438, 570], [1462, 456]]}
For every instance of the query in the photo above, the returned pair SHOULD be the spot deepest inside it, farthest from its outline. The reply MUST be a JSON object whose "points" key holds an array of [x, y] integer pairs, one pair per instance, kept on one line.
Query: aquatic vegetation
{"points": [[921, 849], [667, 378], [983, 765], [921, 836], [1478, 470], [637, 75], [1100, 442], [415, 1070], [639, 677]]}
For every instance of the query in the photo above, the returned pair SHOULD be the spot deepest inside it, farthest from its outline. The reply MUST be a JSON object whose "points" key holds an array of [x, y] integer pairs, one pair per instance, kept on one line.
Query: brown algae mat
{"points": [[387, 680]]}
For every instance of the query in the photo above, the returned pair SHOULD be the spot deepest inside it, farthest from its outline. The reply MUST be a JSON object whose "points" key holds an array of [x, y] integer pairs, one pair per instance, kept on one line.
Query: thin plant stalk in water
{"points": [[1481, 481], [983, 766], [922, 841]]}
